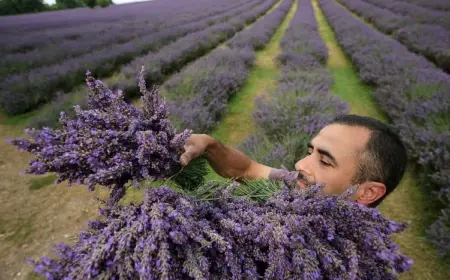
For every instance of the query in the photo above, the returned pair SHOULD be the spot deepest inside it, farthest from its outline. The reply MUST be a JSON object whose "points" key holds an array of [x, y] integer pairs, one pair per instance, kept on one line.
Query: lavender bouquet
{"points": [[295, 234], [112, 143], [217, 230]]}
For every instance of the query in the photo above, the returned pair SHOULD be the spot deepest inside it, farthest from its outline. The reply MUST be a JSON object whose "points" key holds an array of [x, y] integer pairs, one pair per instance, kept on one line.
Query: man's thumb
{"points": [[186, 158]]}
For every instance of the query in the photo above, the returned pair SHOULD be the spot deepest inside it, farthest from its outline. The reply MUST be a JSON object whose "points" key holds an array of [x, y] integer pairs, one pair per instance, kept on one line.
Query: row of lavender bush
{"points": [[160, 64], [422, 15], [302, 102], [200, 93], [411, 90], [86, 17], [66, 49], [259, 35], [432, 4], [25, 91], [430, 40], [15, 43], [155, 16]]}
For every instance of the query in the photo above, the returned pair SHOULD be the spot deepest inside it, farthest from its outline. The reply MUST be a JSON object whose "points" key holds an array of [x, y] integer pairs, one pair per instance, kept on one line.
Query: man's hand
{"points": [[194, 147], [226, 161]]}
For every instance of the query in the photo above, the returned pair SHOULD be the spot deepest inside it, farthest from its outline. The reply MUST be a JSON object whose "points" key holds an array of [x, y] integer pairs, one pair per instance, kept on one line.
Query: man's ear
{"points": [[369, 192]]}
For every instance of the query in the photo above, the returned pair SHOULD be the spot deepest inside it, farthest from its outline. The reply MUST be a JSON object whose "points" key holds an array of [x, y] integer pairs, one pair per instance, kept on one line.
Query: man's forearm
{"points": [[231, 163]]}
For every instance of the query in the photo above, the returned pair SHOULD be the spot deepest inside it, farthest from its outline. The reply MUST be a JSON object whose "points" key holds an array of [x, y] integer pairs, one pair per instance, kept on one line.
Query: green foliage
{"points": [[93, 3], [190, 180], [12, 7], [69, 4], [90, 3], [258, 190], [193, 175], [104, 3]]}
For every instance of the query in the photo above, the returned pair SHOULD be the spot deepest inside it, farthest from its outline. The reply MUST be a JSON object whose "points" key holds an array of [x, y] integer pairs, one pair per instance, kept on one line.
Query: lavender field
{"points": [[260, 75]]}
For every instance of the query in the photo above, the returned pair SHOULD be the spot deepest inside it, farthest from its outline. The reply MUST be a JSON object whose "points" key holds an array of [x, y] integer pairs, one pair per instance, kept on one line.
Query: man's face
{"points": [[333, 157]]}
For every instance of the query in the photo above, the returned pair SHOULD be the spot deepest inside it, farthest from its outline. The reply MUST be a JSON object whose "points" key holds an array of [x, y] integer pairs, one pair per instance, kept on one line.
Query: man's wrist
{"points": [[211, 142]]}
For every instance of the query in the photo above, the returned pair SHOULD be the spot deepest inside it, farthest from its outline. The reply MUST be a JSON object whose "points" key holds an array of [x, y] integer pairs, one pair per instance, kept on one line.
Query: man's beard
{"points": [[296, 180], [302, 181]]}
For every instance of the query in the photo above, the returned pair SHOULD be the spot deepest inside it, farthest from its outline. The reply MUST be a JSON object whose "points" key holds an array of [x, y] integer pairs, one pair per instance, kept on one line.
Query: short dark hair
{"points": [[384, 159]]}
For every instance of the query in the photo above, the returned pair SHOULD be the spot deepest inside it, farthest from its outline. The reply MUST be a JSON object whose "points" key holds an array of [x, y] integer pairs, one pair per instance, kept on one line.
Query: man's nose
{"points": [[303, 165]]}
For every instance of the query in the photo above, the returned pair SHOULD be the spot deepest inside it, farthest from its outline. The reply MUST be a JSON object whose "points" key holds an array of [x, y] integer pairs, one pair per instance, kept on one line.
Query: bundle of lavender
{"points": [[112, 143], [296, 234], [218, 230]]}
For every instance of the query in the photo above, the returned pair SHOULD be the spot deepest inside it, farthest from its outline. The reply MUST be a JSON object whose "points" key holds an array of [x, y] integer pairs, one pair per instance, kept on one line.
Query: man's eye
{"points": [[325, 163]]}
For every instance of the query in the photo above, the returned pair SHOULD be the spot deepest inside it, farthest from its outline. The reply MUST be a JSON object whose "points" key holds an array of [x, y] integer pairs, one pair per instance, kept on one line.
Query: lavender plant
{"points": [[293, 235], [109, 143]]}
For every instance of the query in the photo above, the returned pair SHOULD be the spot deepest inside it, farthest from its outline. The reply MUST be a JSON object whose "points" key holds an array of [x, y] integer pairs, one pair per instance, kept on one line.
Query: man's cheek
{"points": [[331, 189]]}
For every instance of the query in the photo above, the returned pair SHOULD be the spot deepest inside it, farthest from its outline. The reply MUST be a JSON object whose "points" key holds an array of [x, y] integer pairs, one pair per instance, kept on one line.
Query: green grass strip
{"points": [[409, 202]]}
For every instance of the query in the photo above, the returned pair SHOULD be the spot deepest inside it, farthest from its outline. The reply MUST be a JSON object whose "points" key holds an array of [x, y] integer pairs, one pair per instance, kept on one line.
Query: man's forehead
{"points": [[335, 137]]}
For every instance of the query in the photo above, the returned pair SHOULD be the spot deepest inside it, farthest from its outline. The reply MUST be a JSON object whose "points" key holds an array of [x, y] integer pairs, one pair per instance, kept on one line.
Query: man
{"points": [[350, 150]]}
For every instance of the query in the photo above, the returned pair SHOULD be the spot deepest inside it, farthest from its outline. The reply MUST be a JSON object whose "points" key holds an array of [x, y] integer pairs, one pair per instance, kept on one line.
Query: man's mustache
{"points": [[303, 178], [293, 177]]}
